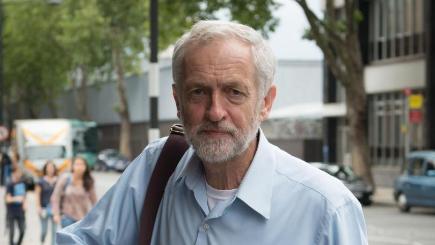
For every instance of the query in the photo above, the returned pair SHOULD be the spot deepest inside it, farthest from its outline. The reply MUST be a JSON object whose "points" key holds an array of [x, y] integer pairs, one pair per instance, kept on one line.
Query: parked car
{"points": [[416, 185], [111, 159], [361, 190]]}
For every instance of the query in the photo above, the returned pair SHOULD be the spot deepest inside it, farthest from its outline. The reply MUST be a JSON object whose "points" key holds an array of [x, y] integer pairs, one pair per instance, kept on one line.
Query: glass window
{"points": [[45, 152], [419, 16], [380, 18], [399, 13], [416, 166], [430, 165], [409, 21], [396, 29]]}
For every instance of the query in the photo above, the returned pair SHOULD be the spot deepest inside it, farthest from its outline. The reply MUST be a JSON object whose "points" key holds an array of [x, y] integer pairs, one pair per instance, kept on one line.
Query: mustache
{"points": [[224, 127]]}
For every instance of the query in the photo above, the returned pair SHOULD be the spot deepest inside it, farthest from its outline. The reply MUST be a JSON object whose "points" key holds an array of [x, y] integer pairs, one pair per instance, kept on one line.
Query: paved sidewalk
{"points": [[383, 196]]}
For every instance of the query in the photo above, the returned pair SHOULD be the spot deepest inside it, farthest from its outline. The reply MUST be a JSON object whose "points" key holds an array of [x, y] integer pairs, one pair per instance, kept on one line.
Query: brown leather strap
{"points": [[172, 151]]}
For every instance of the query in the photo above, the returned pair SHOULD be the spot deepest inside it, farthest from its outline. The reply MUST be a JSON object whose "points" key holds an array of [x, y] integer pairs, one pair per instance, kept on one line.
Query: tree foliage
{"points": [[83, 35], [34, 60], [84, 39], [176, 16]]}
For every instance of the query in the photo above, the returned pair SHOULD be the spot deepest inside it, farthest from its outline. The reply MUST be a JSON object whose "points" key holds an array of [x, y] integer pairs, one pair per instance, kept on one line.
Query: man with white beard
{"points": [[231, 186]]}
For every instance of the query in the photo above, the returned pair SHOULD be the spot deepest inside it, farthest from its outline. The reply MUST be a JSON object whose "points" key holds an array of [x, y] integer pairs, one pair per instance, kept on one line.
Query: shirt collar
{"points": [[192, 172], [255, 189]]}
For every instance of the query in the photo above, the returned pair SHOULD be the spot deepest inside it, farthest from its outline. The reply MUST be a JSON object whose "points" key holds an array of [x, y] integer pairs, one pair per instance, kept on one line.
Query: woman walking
{"points": [[74, 194], [43, 191]]}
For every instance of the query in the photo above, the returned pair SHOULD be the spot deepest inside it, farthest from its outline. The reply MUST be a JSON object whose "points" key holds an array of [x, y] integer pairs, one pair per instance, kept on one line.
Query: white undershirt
{"points": [[215, 196]]}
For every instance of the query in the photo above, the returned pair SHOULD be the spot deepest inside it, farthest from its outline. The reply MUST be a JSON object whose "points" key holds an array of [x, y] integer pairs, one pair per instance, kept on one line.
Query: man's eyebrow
{"points": [[230, 82], [195, 83], [236, 84]]}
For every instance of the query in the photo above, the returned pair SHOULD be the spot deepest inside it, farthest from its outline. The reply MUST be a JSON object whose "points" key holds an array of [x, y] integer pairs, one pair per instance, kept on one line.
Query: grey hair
{"points": [[209, 30]]}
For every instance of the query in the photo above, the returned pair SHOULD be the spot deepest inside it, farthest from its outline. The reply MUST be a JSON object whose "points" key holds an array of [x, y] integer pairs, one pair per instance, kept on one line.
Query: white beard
{"points": [[223, 148]]}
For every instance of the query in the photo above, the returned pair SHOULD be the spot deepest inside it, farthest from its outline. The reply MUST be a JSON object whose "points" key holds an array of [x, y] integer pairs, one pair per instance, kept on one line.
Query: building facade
{"points": [[398, 78], [397, 44]]}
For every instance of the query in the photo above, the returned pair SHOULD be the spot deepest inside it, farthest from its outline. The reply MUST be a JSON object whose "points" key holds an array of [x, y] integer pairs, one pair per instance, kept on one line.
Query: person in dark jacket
{"points": [[5, 168], [16, 205]]}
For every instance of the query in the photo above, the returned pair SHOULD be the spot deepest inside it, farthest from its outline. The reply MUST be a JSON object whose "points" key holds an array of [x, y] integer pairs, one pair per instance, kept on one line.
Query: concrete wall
{"points": [[298, 82]]}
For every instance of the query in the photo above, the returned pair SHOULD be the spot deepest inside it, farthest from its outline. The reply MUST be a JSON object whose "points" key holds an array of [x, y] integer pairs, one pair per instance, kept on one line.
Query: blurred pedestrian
{"points": [[16, 205], [43, 191], [5, 168], [74, 194]]}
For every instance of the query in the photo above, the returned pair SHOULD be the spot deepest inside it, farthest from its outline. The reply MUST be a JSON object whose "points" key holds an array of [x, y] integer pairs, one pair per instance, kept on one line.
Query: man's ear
{"points": [[176, 99], [268, 100]]}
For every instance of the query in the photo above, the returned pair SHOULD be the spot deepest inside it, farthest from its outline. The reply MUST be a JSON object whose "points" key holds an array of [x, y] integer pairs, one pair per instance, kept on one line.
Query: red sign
{"points": [[415, 116], [407, 91], [4, 133]]}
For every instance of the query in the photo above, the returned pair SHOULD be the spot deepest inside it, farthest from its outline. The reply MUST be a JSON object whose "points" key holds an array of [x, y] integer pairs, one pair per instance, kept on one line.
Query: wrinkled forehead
{"points": [[194, 46], [218, 54], [227, 59]]}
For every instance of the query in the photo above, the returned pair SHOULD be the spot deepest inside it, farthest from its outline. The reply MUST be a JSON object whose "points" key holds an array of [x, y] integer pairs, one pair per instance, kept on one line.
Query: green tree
{"points": [[86, 47], [337, 37], [34, 61], [176, 16], [124, 25]]}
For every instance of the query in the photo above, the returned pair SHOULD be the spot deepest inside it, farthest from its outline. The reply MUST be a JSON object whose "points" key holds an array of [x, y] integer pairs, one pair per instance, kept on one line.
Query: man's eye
{"points": [[235, 93], [197, 92]]}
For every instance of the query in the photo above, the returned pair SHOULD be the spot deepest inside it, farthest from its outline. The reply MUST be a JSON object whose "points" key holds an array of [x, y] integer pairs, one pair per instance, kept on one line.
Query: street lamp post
{"points": [[153, 74], [1, 63]]}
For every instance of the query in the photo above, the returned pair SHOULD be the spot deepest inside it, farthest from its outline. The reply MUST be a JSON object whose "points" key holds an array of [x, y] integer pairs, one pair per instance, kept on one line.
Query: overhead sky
{"points": [[286, 41]]}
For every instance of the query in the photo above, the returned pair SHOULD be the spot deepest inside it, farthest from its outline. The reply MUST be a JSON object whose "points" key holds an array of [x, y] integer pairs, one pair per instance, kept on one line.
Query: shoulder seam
{"points": [[308, 187], [328, 216]]}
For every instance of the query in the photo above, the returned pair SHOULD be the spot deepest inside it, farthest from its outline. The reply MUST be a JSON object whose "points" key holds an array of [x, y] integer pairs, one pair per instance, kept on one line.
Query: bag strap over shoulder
{"points": [[172, 151], [67, 182]]}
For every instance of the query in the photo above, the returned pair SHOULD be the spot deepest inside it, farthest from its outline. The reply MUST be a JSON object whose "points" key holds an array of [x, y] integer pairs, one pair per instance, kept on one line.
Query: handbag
{"points": [[172, 151]]}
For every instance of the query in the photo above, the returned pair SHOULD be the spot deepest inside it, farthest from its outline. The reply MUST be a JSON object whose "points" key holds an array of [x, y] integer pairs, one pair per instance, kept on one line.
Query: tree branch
{"points": [[349, 8], [324, 44], [330, 13], [352, 39], [330, 23], [344, 57]]}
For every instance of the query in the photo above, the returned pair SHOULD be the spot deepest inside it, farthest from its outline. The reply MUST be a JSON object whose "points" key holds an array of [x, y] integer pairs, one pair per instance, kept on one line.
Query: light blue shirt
{"points": [[281, 200]]}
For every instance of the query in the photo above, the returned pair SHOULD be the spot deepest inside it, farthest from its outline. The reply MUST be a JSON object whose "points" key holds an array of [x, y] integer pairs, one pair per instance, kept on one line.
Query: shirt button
{"points": [[205, 226]]}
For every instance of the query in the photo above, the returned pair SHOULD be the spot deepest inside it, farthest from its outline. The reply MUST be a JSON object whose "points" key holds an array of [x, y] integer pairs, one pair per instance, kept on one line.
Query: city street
{"points": [[386, 225]]}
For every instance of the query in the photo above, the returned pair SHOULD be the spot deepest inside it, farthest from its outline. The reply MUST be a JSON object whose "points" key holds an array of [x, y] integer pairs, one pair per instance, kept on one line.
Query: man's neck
{"points": [[229, 175]]}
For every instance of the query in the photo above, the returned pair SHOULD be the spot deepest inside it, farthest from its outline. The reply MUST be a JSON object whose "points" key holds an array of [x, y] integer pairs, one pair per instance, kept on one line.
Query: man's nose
{"points": [[216, 110]]}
